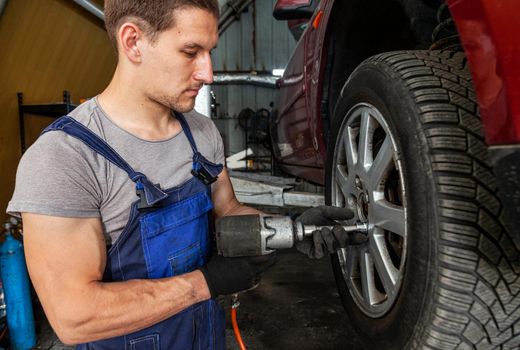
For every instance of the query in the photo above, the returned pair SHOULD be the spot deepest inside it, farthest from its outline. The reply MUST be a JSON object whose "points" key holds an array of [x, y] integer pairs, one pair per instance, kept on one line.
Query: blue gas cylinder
{"points": [[15, 279]]}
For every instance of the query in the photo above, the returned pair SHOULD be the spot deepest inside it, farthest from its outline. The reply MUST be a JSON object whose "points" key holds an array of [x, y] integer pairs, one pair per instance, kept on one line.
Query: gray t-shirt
{"points": [[60, 176]]}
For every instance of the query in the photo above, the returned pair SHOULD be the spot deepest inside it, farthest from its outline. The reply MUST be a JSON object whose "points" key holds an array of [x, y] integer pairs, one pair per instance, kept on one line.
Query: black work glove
{"points": [[231, 275], [326, 240]]}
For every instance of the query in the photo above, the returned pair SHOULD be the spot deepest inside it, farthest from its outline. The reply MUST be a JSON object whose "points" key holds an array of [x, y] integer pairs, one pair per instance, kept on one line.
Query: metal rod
{"points": [[231, 14], [92, 8], [308, 229], [3, 3]]}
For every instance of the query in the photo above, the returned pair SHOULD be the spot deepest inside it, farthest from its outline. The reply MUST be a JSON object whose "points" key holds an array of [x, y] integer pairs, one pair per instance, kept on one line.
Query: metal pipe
{"points": [[3, 3], [268, 81], [92, 8], [232, 13]]}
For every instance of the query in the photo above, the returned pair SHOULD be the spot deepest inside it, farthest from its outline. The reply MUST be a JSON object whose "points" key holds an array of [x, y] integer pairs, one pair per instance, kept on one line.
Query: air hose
{"points": [[234, 306]]}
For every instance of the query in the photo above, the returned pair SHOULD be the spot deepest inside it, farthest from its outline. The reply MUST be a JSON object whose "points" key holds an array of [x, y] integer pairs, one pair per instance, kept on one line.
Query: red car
{"points": [[408, 112]]}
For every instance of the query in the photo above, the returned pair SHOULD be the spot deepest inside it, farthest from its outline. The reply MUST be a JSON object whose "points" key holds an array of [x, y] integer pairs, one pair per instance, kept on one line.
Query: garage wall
{"points": [[257, 42], [47, 46]]}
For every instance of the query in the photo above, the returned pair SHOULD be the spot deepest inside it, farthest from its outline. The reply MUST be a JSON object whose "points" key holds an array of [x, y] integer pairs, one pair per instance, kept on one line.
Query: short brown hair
{"points": [[152, 16]]}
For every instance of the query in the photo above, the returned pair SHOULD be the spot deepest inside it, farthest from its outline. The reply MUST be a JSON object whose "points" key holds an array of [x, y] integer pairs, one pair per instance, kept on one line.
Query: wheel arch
{"points": [[360, 29]]}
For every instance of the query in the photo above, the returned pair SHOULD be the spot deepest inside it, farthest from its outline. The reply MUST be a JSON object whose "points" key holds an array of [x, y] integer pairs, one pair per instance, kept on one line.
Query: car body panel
{"points": [[292, 140], [291, 4], [297, 130], [489, 34]]}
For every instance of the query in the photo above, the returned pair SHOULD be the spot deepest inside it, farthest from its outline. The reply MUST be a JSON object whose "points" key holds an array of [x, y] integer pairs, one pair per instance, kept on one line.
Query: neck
{"points": [[129, 108]]}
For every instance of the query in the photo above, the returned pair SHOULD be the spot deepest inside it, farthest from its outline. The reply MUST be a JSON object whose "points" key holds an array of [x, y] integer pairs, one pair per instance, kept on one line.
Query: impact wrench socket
{"points": [[253, 235]]}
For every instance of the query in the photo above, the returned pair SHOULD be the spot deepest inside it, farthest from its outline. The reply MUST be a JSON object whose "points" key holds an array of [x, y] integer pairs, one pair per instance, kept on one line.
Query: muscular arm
{"points": [[66, 258], [225, 201]]}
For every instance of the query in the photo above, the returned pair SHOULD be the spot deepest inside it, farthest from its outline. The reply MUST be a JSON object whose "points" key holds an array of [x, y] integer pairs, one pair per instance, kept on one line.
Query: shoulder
{"points": [[58, 149], [58, 154], [199, 122], [57, 176], [87, 114], [59, 141]]}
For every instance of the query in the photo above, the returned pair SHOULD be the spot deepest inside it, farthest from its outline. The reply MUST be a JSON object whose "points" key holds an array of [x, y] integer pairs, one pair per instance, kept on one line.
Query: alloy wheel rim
{"points": [[367, 177]]}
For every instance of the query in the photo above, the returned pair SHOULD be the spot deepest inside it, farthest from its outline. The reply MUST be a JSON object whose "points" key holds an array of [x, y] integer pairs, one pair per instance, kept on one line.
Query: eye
{"points": [[190, 54]]}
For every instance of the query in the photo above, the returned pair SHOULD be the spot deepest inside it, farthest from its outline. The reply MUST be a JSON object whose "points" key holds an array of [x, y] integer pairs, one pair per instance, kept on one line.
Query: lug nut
{"points": [[359, 184]]}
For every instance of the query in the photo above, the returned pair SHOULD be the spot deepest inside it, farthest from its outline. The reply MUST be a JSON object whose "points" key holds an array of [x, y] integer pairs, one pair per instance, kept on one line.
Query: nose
{"points": [[204, 70]]}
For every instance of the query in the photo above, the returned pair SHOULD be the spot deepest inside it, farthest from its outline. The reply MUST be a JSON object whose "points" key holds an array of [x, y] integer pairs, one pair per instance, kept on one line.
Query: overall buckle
{"points": [[143, 204], [204, 175]]}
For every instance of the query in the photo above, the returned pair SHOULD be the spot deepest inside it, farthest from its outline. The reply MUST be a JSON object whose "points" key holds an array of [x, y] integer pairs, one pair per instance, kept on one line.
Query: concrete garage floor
{"points": [[295, 307]]}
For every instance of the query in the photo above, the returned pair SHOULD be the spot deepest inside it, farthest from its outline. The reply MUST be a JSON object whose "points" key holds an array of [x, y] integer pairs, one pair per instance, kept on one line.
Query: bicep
{"points": [[223, 196], [63, 256], [224, 199]]}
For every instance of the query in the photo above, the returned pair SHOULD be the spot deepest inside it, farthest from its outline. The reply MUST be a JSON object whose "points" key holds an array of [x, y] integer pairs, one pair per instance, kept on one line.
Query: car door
{"points": [[296, 128]]}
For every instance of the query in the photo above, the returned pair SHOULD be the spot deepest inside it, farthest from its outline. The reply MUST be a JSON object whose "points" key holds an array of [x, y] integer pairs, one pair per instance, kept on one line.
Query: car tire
{"points": [[407, 154]]}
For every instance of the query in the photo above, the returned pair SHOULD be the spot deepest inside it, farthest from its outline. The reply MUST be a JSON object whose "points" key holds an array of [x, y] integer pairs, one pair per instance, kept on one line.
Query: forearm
{"points": [[105, 310], [241, 209]]}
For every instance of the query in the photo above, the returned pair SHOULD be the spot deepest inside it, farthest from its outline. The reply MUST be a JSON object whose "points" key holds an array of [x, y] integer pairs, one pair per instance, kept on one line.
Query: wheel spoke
{"points": [[350, 148], [341, 178], [388, 216], [384, 266], [365, 141], [367, 278], [383, 162], [349, 258], [351, 261], [343, 181]]}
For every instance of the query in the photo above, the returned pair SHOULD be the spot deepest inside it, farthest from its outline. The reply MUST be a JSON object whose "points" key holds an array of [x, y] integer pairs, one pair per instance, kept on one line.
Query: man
{"points": [[115, 198]]}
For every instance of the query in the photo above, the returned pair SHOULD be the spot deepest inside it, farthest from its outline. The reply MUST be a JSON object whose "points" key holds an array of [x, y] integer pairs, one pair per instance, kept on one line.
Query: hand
{"points": [[231, 275], [324, 215], [329, 241], [326, 240]]}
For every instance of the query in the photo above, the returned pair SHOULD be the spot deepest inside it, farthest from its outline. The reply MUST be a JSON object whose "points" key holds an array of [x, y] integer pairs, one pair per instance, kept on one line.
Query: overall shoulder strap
{"points": [[202, 168], [187, 131], [75, 129]]}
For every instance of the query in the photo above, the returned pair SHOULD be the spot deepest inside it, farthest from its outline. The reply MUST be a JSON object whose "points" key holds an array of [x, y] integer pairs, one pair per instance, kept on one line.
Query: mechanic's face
{"points": [[178, 63]]}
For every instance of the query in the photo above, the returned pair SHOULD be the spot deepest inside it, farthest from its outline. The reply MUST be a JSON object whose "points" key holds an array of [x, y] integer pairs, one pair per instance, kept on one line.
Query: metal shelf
{"points": [[52, 110]]}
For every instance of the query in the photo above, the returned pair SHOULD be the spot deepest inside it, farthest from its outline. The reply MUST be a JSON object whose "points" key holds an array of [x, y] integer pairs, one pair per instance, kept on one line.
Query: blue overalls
{"points": [[167, 235]]}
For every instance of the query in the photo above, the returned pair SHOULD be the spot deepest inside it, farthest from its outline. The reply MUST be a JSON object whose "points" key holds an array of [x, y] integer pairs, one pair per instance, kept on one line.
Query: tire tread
{"points": [[477, 292]]}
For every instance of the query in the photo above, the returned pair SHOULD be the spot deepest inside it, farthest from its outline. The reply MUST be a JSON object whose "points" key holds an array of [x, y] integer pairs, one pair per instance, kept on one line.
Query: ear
{"points": [[129, 35]]}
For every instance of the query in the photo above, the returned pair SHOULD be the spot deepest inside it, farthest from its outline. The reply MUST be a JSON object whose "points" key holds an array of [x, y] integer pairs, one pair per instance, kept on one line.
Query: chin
{"points": [[184, 107]]}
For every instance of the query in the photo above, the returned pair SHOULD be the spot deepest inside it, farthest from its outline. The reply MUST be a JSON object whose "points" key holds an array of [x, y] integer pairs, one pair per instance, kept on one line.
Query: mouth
{"points": [[193, 91]]}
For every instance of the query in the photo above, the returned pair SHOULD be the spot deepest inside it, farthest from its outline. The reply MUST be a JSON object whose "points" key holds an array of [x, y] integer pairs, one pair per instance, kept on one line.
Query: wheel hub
{"points": [[362, 206]]}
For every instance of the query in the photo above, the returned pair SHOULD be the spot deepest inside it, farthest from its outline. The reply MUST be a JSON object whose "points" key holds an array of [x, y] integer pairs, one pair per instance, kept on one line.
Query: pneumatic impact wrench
{"points": [[253, 235]]}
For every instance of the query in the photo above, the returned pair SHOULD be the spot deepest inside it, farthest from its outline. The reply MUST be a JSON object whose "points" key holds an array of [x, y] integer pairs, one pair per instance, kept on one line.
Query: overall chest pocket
{"points": [[149, 342], [175, 238], [187, 259]]}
